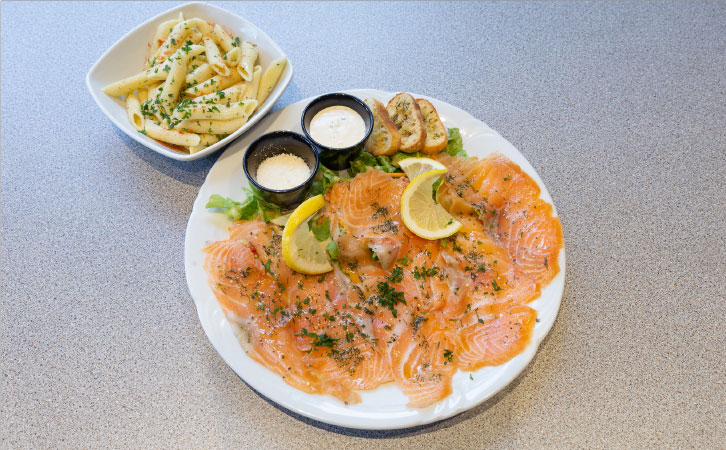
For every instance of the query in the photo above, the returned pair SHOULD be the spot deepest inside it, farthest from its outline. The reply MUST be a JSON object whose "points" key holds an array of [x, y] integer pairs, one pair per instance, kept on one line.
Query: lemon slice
{"points": [[424, 217], [302, 252], [417, 166]]}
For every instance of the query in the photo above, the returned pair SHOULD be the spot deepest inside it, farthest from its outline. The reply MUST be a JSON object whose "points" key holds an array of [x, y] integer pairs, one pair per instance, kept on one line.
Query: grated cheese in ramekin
{"points": [[283, 171]]}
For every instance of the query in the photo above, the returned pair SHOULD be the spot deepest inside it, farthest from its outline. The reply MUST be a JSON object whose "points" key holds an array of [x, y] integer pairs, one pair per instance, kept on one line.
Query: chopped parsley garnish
{"points": [[448, 355], [420, 273], [389, 297], [396, 275], [319, 340], [496, 286]]}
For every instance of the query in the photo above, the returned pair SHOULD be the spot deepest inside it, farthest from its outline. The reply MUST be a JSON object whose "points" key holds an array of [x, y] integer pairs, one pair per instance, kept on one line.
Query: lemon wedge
{"points": [[424, 217], [414, 167], [301, 251]]}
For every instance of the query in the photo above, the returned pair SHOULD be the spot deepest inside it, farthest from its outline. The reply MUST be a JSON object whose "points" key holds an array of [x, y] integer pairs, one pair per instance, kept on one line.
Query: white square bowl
{"points": [[126, 57]]}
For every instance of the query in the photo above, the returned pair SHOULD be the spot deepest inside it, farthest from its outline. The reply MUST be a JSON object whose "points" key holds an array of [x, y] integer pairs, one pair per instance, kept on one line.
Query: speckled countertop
{"points": [[621, 108]]}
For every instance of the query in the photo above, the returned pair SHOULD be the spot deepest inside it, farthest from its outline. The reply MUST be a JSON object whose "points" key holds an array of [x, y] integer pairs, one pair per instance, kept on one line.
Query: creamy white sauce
{"points": [[283, 171], [337, 127]]}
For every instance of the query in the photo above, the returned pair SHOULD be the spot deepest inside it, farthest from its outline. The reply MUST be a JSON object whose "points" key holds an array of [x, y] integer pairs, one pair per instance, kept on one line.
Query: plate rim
{"points": [[155, 146], [525, 357]]}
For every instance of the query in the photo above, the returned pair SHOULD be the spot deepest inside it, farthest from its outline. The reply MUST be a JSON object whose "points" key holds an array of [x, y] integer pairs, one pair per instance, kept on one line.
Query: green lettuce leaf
{"points": [[386, 165], [333, 250], [323, 181], [251, 207], [320, 228], [365, 160], [455, 145], [436, 186]]}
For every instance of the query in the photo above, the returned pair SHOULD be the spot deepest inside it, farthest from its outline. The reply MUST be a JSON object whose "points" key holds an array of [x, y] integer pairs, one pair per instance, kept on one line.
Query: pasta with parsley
{"points": [[200, 84]]}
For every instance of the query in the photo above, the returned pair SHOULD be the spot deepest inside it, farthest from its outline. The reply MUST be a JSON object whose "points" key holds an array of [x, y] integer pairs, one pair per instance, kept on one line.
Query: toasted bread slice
{"points": [[436, 136], [406, 115], [385, 138]]}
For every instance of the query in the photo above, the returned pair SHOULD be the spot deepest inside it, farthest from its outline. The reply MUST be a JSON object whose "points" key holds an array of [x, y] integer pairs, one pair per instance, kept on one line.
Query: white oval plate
{"points": [[126, 57], [384, 407]]}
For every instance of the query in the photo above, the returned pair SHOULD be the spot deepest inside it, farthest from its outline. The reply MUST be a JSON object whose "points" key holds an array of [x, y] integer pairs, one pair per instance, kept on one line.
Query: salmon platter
{"points": [[440, 274]]}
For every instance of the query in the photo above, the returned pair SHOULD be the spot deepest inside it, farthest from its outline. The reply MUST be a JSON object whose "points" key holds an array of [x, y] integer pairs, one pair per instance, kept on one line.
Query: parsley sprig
{"points": [[389, 297], [319, 340]]}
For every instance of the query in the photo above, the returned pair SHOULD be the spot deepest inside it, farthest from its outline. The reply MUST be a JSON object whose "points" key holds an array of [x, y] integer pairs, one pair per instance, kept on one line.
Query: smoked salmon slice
{"points": [[396, 308], [502, 196], [365, 214], [495, 338]]}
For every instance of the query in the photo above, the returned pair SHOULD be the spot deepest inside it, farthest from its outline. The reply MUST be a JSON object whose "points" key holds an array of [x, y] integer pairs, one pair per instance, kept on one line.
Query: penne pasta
{"points": [[154, 91], [195, 61], [134, 82], [211, 111], [254, 85], [233, 57], [269, 79], [195, 36], [214, 84], [232, 94], [177, 38], [193, 50], [201, 84], [162, 32], [212, 126], [149, 108], [223, 38], [199, 75], [133, 111], [142, 94], [169, 96], [247, 60], [176, 137], [205, 140], [215, 57]]}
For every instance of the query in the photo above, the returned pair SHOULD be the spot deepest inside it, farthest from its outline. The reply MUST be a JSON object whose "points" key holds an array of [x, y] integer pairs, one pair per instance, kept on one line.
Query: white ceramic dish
{"points": [[384, 407], [126, 57]]}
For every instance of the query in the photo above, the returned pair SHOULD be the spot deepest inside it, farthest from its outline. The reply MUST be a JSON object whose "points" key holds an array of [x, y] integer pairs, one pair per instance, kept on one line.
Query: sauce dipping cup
{"points": [[337, 158], [273, 144]]}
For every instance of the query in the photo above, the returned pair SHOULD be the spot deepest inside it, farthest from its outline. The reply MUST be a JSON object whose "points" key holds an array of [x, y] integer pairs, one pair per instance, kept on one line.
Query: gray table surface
{"points": [[620, 108]]}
